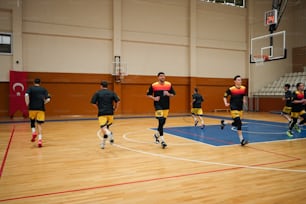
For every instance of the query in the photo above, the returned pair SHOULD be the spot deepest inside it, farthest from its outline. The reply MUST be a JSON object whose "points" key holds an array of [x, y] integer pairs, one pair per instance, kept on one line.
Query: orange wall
{"points": [[71, 93]]}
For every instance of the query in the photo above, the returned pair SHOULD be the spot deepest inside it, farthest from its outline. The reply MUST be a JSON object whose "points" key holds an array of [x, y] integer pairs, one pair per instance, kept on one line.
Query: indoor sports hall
{"points": [[74, 46]]}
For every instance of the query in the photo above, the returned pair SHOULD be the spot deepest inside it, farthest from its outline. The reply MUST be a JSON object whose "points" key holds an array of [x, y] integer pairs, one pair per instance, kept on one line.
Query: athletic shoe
{"points": [[297, 128], [111, 139], [39, 143], [289, 133], [164, 145], [34, 135], [102, 145], [244, 142], [222, 124], [203, 126], [156, 138], [196, 123]]}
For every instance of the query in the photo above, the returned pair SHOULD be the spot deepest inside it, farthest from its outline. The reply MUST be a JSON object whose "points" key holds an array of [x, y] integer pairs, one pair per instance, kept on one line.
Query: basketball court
{"points": [[202, 166]]}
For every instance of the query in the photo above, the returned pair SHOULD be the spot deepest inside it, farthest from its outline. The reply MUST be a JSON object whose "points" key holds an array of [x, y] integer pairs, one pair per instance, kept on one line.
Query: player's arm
{"points": [[151, 96], [170, 93], [27, 99], [47, 98], [226, 94], [116, 102]]}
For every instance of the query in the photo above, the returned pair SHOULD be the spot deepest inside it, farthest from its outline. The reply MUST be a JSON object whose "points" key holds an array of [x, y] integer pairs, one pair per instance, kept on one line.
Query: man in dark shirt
{"points": [[286, 112], [160, 92], [36, 97], [196, 110], [107, 102], [237, 95], [298, 109]]}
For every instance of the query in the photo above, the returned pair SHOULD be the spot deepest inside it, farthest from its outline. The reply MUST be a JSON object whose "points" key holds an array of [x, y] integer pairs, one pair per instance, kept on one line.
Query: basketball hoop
{"points": [[260, 59]]}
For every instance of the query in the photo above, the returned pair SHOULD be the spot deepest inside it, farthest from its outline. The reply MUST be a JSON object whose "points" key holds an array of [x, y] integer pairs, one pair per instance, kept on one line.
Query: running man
{"points": [[287, 98], [160, 92], [237, 95], [196, 110], [35, 98], [107, 102], [298, 110]]}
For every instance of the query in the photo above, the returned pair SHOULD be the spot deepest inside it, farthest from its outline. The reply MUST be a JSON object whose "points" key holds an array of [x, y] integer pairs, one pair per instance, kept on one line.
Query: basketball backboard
{"points": [[268, 47]]}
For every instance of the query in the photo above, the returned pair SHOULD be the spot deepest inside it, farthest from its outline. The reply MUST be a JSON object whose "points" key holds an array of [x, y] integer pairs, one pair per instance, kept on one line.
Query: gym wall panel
{"points": [[76, 13], [228, 63], [45, 53], [149, 59]]}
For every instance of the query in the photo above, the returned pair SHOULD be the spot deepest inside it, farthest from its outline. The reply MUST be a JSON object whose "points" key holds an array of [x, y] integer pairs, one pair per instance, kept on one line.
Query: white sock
{"points": [[240, 137], [33, 130], [39, 137], [162, 138]]}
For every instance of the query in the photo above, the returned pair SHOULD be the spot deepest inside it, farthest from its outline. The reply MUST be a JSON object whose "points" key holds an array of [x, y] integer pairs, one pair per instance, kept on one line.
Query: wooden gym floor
{"points": [[71, 167]]}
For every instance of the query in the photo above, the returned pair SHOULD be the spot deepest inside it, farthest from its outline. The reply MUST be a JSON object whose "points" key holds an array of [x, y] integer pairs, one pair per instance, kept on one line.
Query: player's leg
{"points": [[294, 116], [32, 116], [105, 131], [200, 117], [193, 114], [163, 122], [237, 115], [159, 117], [286, 113], [40, 121], [110, 119]]}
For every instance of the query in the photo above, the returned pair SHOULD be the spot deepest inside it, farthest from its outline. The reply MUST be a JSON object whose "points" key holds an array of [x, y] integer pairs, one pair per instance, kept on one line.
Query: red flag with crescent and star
{"points": [[18, 87]]}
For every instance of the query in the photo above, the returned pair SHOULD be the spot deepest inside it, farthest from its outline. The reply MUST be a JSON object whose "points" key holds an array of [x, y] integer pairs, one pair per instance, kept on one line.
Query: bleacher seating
{"points": [[276, 88]]}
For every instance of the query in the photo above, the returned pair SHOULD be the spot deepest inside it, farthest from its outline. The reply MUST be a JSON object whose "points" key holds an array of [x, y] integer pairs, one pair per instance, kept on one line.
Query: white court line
{"points": [[202, 161], [207, 162]]}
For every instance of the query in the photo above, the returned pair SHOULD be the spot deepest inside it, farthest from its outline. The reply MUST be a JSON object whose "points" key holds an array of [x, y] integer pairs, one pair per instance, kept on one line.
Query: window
{"points": [[5, 43], [238, 3]]}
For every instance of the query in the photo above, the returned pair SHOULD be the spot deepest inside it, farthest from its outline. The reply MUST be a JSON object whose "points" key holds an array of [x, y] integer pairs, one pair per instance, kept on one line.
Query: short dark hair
{"points": [[104, 84], [196, 90], [37, 81], [298, 84], [287, 85], [237, 76], [159, 73]]}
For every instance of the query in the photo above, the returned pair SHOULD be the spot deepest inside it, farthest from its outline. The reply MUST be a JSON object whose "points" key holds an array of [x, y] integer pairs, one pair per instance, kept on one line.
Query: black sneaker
{"points": [[222, 124], [203, 126], [156, 138], [243, 142], [164, 145], [111, 139]]}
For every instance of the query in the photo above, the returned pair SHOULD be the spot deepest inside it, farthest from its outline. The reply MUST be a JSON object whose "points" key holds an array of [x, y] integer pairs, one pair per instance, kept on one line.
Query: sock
{"points": [[33, 130], [240, 137], [39, 137], [162, 138]]}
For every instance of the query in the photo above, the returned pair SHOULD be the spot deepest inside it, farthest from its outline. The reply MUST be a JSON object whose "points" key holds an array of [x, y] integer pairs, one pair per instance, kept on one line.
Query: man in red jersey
{"points": [[237, 95], [160, 92]]}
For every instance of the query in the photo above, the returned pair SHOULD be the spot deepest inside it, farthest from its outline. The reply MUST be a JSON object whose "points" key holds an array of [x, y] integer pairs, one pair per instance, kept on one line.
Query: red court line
{"points": [[139, 181], [6, 151]]}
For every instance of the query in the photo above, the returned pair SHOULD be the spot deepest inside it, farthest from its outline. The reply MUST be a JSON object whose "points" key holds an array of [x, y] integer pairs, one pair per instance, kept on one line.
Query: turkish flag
{"points": [[18, 87]]}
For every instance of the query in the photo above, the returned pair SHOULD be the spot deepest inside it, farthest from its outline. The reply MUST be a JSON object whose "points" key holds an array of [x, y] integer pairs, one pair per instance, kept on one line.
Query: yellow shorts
{"points": [[236, 113], [297, 114], [105, 120], [197, 111], [287, 109], [37, 115], [162, 113]]}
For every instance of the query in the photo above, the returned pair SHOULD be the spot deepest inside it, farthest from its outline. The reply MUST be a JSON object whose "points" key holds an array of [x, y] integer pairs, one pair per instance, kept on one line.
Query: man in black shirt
{"points": [[160, 92], [107, 102], [196, 110], [36, 97]]}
